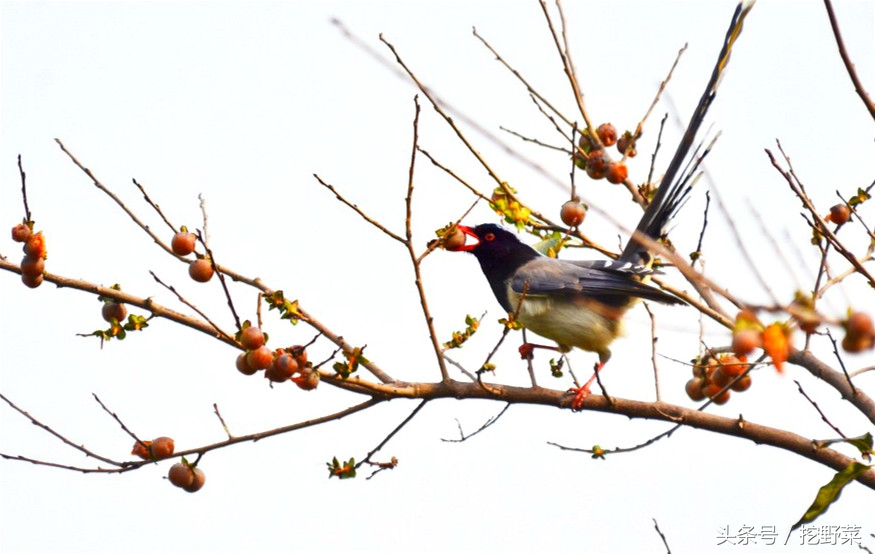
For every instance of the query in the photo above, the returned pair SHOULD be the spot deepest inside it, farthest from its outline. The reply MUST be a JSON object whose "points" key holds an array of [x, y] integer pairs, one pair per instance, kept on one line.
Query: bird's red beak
{"points": [[465, 247]]}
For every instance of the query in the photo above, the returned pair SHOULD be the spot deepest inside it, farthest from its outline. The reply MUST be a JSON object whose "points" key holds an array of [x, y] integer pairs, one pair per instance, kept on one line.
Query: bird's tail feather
{"points": [[679, 176]]}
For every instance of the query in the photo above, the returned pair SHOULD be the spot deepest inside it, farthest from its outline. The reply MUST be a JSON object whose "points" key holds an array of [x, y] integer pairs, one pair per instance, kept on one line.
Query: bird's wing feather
{"points": [[601, 280]]}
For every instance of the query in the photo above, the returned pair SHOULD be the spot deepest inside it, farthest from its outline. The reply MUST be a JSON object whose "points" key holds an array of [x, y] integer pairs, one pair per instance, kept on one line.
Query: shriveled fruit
{"points": [[607, 134], [260, 358], [694, 389], [162, 448], [201, 270], [572, 213], [839, 214], [35, 245], [745, 340], [141, 449], [252, 338], [183, 243], [114, 310], [197, 481], [243, 365], [20, 232], [617, 172], [181, 475]]}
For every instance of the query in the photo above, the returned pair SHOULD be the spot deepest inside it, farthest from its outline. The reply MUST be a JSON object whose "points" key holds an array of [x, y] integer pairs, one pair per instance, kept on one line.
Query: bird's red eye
{"points": [[489, 237]]}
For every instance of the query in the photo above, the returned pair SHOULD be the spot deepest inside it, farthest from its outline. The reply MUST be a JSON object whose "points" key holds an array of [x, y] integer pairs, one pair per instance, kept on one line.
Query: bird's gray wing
{"points": [[607, 281]]}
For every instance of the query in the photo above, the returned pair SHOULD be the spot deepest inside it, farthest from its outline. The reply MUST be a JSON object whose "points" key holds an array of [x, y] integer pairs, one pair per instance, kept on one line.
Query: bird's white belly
{"points": [[570, 321]]}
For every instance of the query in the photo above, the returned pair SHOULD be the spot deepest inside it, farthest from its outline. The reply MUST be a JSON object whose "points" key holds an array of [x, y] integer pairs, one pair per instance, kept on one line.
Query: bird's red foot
{"points": [[580, 394]]}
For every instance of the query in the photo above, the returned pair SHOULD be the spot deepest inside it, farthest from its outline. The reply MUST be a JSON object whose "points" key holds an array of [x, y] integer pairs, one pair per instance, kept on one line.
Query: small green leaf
{"points": [[830, 492], [863, 443]]}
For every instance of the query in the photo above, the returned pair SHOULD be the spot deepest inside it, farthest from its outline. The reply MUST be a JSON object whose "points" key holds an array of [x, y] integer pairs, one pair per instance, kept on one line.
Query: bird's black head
{"points": [[499, 252]]}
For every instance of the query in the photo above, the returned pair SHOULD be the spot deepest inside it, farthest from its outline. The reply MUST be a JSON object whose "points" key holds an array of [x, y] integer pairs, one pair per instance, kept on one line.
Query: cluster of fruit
{"points": [[289, 364], [158, 449], [183, 474], [592, 157], [713, 373], [33, 265], [186, 476], [182, 244]]}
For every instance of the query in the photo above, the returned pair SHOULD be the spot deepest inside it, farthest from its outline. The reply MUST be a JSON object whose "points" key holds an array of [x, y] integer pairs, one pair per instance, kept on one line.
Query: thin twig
{"points": [[59, 436], [489, 422], [408, 241], [218, 330], [358, 210], [846, 59], [400, 426], [23, 189]]}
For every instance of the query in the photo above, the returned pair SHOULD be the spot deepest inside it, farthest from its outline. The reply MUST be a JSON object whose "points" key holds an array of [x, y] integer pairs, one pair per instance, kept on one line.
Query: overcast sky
{"points": [[243, 102]]}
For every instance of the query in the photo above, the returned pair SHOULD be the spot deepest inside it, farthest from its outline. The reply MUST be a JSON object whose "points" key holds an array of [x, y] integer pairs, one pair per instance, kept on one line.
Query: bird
{"points": [[582, 303]]}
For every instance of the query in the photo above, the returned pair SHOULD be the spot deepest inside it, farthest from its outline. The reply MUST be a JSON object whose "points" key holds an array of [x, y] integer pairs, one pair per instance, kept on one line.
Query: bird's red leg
{"points": [[527, 349]]}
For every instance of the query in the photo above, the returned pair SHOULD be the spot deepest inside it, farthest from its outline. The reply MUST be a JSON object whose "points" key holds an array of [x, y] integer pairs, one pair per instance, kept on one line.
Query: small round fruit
{"points": [[744, 341], [859, 323], [252, 338], [197, 481], [20, 232], [626, 146], [720, 378], [572, 213], [607, 134], [300, 354], [597, 164], [243, 365], [742, 384], [308, 379], [840, 214], [113, 310], [35, 246], [201, 270], [32, 281], [617, 172], [694, 389], [282, 368], [183, 243], [33, 266], [454, 240], [855, 344], [260, 358], [162, 448], [721, 398], [732, 366], [181, 475]]}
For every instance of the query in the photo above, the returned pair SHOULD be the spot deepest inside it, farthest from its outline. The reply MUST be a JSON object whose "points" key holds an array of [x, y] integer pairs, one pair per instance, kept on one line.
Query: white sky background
{"points": [[243, 102]]}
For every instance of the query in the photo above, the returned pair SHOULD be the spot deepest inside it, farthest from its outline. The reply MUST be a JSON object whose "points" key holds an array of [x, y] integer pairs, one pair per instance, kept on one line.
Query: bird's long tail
{"points": [[682, 172]]}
